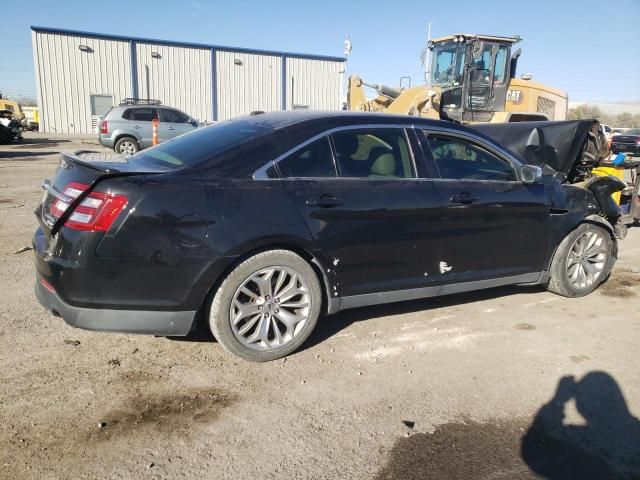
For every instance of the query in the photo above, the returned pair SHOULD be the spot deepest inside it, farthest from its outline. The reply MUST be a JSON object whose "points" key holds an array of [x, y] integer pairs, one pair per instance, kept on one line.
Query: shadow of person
{"points": [[606, 446]]}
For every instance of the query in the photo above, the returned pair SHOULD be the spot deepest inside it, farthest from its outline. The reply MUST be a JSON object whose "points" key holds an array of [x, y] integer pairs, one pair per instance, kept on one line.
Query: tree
{"points": [[584, 111], [625, 119]]}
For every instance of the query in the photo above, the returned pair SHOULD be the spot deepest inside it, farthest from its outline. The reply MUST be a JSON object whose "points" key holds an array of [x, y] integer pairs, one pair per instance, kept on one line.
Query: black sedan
{"points": [[262, 224], [627, 142]]}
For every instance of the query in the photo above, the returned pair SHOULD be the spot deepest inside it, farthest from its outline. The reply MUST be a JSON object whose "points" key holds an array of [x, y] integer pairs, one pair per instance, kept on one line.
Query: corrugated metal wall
{"points": [[247, 82], [180, 77], [314, 84], [67, 76]]}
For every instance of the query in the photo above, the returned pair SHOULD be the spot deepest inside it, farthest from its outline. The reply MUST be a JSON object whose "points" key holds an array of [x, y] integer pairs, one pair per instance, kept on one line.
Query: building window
{"points": [[100, 104]]}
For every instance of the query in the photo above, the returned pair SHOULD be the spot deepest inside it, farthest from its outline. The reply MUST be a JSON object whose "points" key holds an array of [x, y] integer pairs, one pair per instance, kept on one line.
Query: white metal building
{"points": [[79, 75]]}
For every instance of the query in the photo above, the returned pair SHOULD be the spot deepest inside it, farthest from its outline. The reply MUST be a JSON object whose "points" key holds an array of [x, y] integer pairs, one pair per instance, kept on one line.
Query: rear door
{"points": [[359, 195], [140, 119], [173, 123], [493, 224]]}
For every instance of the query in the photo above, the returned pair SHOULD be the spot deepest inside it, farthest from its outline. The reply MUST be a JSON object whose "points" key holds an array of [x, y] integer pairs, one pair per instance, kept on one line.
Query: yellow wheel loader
{"points": [[472, 79]]}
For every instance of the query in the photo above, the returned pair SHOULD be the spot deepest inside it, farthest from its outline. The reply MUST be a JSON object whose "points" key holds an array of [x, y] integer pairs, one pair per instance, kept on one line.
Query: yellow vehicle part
{"points": [[610, 171], [13, 107], [529, 97], [524, 98]]}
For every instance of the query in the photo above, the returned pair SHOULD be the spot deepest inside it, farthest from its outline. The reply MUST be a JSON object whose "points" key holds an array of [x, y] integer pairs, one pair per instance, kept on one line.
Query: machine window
{"points": [[312, 161], [501, 65], [379, 153], [459, 159]]}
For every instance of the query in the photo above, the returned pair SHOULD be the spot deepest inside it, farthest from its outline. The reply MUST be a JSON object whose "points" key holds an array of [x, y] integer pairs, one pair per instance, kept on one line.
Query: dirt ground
{"points": [[500, 384]]}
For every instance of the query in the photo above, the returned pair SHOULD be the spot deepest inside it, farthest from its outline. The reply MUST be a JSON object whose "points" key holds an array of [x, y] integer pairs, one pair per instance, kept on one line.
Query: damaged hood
{"points": [[559, 145]]}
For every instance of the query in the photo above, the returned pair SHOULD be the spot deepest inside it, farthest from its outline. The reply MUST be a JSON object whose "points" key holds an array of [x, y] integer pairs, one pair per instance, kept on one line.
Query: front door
{"points": [[172, 124], [359, 197], [493, 224]]}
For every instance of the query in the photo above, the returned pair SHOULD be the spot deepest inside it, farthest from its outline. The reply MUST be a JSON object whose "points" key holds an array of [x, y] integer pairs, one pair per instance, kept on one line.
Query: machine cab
{"points": [[473, 74]]}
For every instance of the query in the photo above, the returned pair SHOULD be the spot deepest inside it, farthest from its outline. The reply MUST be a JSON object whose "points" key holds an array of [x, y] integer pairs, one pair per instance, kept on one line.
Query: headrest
{"points": [[384, 166]]}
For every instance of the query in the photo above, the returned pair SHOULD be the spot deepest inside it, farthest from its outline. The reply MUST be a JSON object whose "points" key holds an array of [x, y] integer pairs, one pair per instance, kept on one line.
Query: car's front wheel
{"points": [[127, 146], [267, 306], [582, 261]]}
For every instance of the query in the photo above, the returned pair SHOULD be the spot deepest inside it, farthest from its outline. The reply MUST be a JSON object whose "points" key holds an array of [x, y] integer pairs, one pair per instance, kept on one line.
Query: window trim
{"points": [[473, 139], [261, 173]]}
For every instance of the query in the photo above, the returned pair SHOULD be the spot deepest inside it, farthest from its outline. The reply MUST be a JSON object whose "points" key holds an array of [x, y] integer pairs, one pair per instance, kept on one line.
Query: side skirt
{"points": [[378, 298]]}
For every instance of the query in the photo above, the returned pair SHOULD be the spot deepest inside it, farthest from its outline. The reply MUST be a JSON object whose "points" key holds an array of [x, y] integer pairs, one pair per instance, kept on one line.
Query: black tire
{"points": [[129, 143], [5, 135], [220, 311], [560, 282]]}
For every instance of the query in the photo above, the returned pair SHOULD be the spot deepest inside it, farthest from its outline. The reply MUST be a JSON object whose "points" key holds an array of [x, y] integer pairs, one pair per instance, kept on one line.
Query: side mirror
{"points": [[530, 174]]}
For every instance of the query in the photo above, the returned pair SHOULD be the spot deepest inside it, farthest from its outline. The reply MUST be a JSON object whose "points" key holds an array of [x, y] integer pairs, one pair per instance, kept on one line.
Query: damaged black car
{"points": [[257, 226]]}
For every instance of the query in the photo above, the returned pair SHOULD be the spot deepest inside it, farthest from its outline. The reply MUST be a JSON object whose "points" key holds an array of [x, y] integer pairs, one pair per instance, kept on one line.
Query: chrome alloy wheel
{"points": [[587, 259], [270, 308], [127, 147]]}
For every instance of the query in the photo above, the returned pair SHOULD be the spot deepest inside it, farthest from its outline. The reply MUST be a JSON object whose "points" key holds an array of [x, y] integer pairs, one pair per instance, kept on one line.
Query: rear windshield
{"points": [[199, 146]]}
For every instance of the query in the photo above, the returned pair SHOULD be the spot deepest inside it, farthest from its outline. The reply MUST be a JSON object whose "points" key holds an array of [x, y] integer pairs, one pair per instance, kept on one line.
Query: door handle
{"points": [[170, 128], [325, 201], [137, 126], [464, 198]]}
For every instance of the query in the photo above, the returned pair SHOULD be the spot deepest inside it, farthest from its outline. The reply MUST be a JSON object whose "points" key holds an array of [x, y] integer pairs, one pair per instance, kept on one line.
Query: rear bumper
{"points": [[625, 148], [105, 141], [125, 321]]}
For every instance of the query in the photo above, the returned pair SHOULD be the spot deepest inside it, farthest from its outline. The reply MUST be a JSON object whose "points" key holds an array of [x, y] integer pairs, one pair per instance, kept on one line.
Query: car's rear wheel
{"points": [[582, 261], [127, 146], [267, 306]]}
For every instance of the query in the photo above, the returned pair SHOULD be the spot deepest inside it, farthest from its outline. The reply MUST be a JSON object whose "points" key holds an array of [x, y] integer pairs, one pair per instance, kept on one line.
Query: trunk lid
{"points": [[76, 176], [625, 138]]}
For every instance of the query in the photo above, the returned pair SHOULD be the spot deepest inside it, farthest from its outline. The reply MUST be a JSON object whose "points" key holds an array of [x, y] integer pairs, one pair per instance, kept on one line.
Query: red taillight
{"points": [[47, 285], [104, 127], [95, 213]]}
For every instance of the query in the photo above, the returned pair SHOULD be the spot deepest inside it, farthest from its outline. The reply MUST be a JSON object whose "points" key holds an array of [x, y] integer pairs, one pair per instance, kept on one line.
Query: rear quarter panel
{"points": [[180, 234]]}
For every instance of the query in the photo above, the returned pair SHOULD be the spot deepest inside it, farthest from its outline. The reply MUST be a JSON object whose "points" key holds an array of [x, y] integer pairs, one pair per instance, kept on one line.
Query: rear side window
{"points": [[142, 114], [312, 161], [460, 159], [375, 153]]}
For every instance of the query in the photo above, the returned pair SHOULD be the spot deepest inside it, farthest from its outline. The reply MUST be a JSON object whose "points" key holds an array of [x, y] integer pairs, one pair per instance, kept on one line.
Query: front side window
{"points": [[313, 161], [373, 153], [460, 159], [172, 116]]}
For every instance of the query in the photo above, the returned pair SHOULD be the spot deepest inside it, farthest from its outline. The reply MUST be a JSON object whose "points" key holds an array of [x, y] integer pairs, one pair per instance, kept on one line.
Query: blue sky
{"points": [[590, 48]]}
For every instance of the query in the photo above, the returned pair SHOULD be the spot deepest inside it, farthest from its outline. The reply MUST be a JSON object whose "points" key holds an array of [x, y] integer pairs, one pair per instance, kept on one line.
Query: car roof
{"points": [[291, 118]]}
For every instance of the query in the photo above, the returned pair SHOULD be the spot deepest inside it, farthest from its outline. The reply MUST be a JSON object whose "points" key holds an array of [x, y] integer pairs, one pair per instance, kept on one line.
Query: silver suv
{"points": [[127, 127]]}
